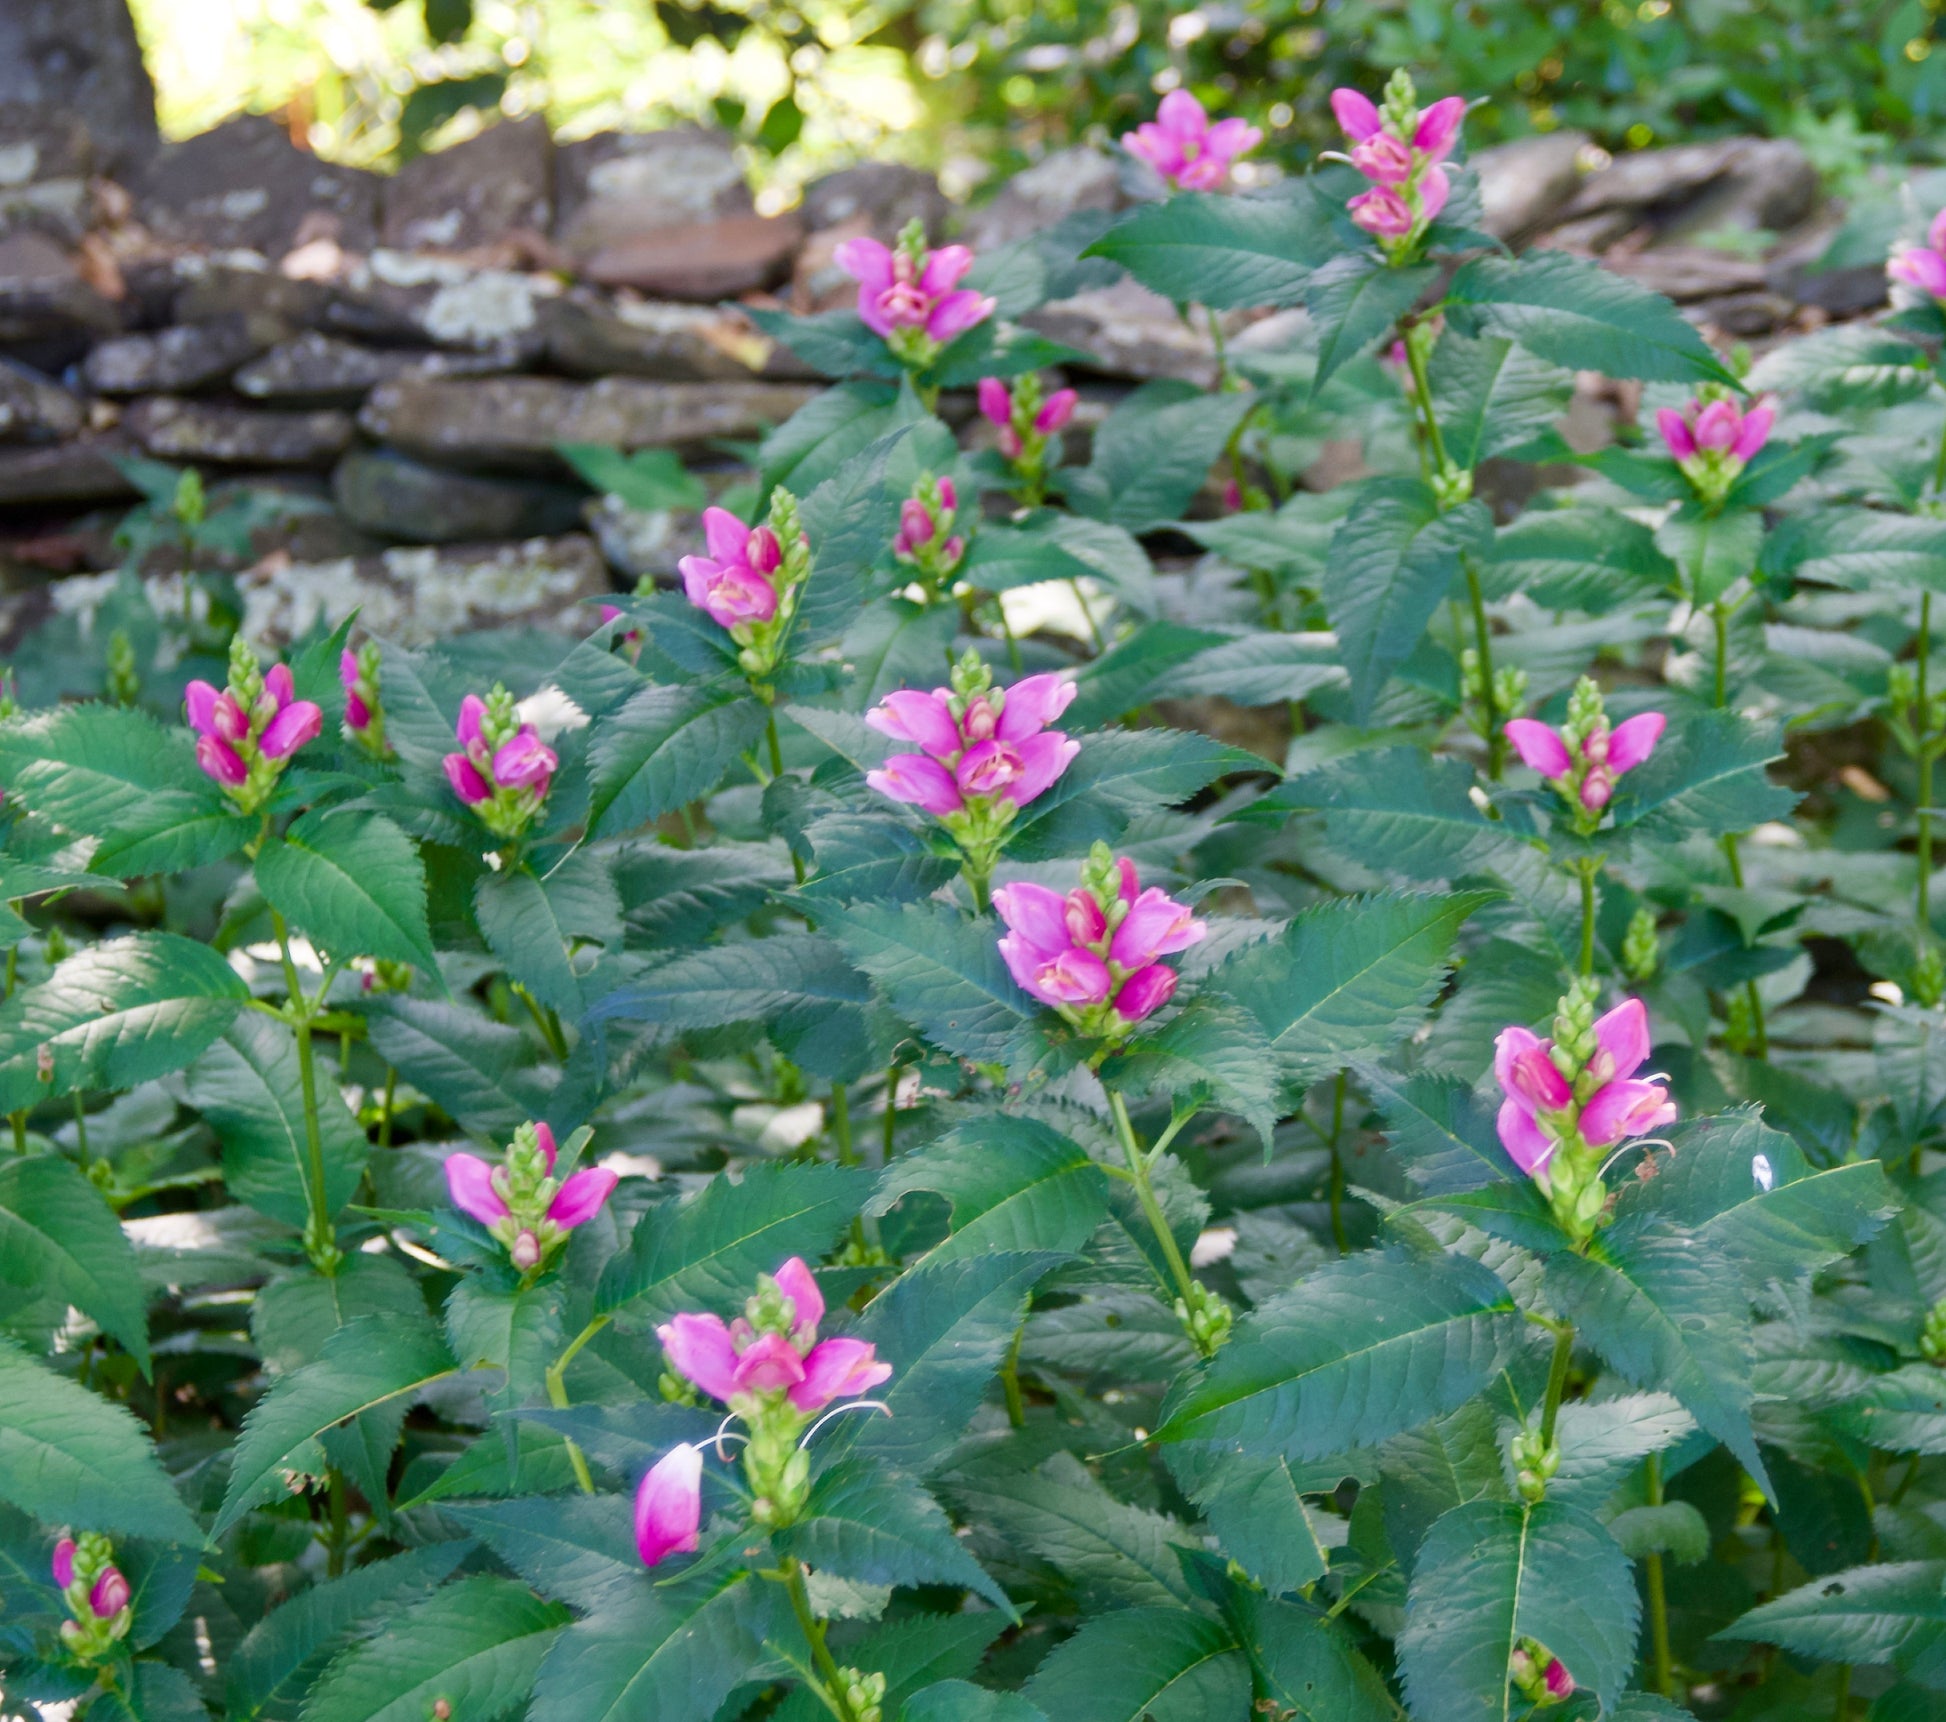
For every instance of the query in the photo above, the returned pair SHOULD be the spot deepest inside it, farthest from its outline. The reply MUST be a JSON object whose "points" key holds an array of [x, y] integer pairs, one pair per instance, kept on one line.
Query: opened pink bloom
{"points": [[1186, 148], [733, 584], [1713, 441], [1586, 774], [1539, 1108], [1400, 149], [912, 288], [991, 746], [503, 769], [1023, 426], [235, 728], [1923, 266], [669, 1505]]}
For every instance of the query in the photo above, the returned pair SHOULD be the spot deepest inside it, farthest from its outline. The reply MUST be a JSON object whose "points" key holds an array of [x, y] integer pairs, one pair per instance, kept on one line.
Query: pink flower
{"points": [[768, 1364], [1922, 267], [926, 719], [1676, 434], [732, 583], [1383, 159], [1156, 925], [1146, 991], [297, 723], [1633, 740], [970, 750], [911, 289], [1713, 442], [466, 780], [64, 1553], [1055, 411], [526, 762], [1560, 1684], [469, 1182], [221, 761], [669, 1505], [995, 402], [227, 740], [1356, 115], [1382, 213], [1604, 754], [1061, 952], [1439, 127], [700, 1350], [796, 1281], [1185, 149], [1401, 156], [581, 1197], [1622, 1106], [922, 782], [838, 1369], [110, 1594], [1527, 1073], [1005, 771], [1540, 747]]}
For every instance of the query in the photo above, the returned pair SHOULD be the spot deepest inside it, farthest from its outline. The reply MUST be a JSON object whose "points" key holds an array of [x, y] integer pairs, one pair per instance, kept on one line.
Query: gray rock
{"points": [[705, 261], [78, 60], [877, 198], [1064, 183], [616, 185], [170, 428], [82, 470], [1841, 292], [190, 356], [1689, 272], [35, 410], [246, 186], [45, 162], [1744, 315], [203, 290], [1525, 182], [43, 297], [475, 192], [591, 336], [320, 370], [395, 297], [1693, 188], [1129, 331], [392, 496], [515, 423], [642, 543]]}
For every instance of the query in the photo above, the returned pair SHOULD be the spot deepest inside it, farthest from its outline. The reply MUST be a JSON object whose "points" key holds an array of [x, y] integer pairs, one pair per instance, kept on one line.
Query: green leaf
{"points": [[477, 1644], [1306, 1664], [944, 1330], [520, 926], [1494, 1572], [1362, 1349], [1117, 775], [58, 1235], [1602, 1442], [1492, 396], [1208, 1054], [518, 1330], [579, 1550], [483, 1073], [962, 1701], [661, 1653], [162, 1693], [667, 747], [371, 1362], [1144, 1665], [355, 883], [706, 1252], [1847, 366], [279, 1647], [1346, 980], [649, 479], [1354, 300], [248, 1088], [1707, 777], [115, 1015], [1581, 558], [1668, 1311], [1442, 1129], [1574, 313], [1903, 1412], [1012, 1184], [1388, 572], [850, 518], [871, 1524], [70, 1457], [1894, 1612], [1864, 550], [897, 643], [113, 773], [1256, 1510], [1713, 551], [1153, 452], [1223, 251], [1671, 1528], [1396, 810], [912, 1653], [797, 977]]}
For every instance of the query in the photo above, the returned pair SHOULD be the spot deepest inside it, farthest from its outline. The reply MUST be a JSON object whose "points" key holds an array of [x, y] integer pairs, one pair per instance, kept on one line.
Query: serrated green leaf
{"points": [[1495, 1572], [1144, 1665], [1707, 777], [1491, 396], [1583, 558], [850, 518], [488, 1075], [58, 1235], [667, 747], [1364, 1348], [1603, 1441], [1306, 1665], [368, 1363], [1153, 452], [1442, 1129], [355, 883], [1903, 1412], [1209, 1054], [1848, 366], [580, 1550], [518, 921], [115, 1015], [897, 643], [1354, 299], [1713, 550], [1865, 549], [1574, 313], [912, 1653], [71, 1457], [1256, 1510], [1673, 1528], [1894, 1612], [962, 1701], [1223, 251], [795, 974]]}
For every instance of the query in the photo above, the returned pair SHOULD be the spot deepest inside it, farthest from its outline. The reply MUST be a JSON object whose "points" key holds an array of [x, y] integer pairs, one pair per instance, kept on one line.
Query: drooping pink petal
{"points": [[1621, 1040], [1623, 1109], [1434, 189], [1043, 758], [1382, 159], [923, 719], [1438, 128], [1560, 1683], [762, 552], [221, 761], [700, 1351], [226, 719], [278, 684], [796, 1281], [867, 262], [1381, 212], [580, 1199], [1055, 411], [1033, 704], [466, 780], [945, 269], [920, 780], [1146, 991], [1231, 138], [995, 402], [1509, 1044], [1086, 924], [544, 1140], [1540, 746], [525, 761], [1527, 1145], [1036, 915], [958, 312], [699, 577], [1075, 977], [768, 1363], [299, 722], [988, 768], [63, 1566], [469, 1182], [669, 1505], [472, 714], [1676, 435], [1534, 1078], [1917, 266], [1155, 926], [724, 534], [357, 714], [1634, 740], [838, 1369], [199, 699], [1754, 433], [1355, 114]]}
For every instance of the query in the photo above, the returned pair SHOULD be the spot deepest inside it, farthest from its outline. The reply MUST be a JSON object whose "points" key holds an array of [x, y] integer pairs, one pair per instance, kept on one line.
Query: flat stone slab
{"points": [[171, 428], [321, 370]]}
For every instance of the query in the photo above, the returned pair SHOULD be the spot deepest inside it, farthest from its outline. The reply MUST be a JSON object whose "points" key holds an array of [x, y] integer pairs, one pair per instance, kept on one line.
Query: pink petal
{"points": [[199, 698], [472, 714], [221, 761], [1033, 704], [1676, 434], [1510, 1044], [1231, 138], [1622, 1039], [867, 262], [299, 722], [1355, 114], [724, 534], [945, 269], [525, 762], [64, 1553], [1527, 1146], [699, 1350], [1438, 128], [110, 1594], [958, 312], [1434, 190], [348, 669], [580, 1199], [871, 311], [469, 1181], [1155, 926], [923, 719], [466, 780], [1056, 411], [1622, 1109], [768, 1363], [838, 1369], [1716, 427], [1075, 977], [1086, 924], [278, 684], [995, 402], [669, 1505], [796, 1281], [1754, 433], [1043, 758], [1633, 741], [1146, 991], [919, 780], [544, 1140], [1382, 159], [1540, 747], [762, 551], [357, 714], [1036, 915]]}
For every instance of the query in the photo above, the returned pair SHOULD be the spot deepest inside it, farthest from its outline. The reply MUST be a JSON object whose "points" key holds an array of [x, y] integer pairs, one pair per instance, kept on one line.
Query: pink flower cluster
{"points": [[233, 733], [731, 1360], [922, 524], [100, 1600], [1182, 144], [364, 716], [910, 295], [107, 1596], [1098, 946], [1713, 441], [503, 769], [994, 746], [732, 585], [1923, 266], [1401, 151], [1540, 1108], [1003, 408], [519, 1201], [1586, 773]]}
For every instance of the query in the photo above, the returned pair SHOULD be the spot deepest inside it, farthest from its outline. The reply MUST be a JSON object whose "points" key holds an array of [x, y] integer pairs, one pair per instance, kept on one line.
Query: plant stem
{"points": [[1557, 1380], [841, 1124], [1658, 1594], [335, 1547], [1587, 873], [813, 1630], [1751, 993], [1842, 1709], [20, 1130], [1922, 652], [385, 1107], [321, 1241], [557, 1396], [1010, 1380], [1087, 615], [81, 1129], [1721, 617], [1338, 1168], [1483, 644], [891, 1142], [1138, 1165], [1422, 393]]}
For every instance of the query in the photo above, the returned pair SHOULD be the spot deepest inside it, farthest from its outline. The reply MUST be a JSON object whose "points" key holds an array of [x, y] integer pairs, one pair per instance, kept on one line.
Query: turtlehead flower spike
{"points": [[669, 1505], [1585, 757], [1923, 267], [1028, 427], [1189, 151], [364, 714], [926, 541], [910, 295], [1399, 148], [1570, 1099], [521, 1202], [1094, 955], [503, 769], [99, 1598], [748, 583], [1713, 439], [247, 730], [772, 1371]]}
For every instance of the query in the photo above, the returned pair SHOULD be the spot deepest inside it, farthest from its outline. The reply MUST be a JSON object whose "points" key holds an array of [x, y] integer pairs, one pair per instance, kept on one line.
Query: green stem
{"points": [[977, 881], [1138, 1166], [1087, 615], [773, 745], [1721, 617], [1658, 1595], [1922, 651], [841, 1124], [1587, 873], [1557, 1380], [81, 1130], [386, 1105], [891, 1142], [1422, 393], [335, 1547], [557, 1396], [321, 1240], [1483, 644], [1010, 1380], [1338, 1168], [813, 1630], [1841, 1710], [1756, 999], [19, 1120]]}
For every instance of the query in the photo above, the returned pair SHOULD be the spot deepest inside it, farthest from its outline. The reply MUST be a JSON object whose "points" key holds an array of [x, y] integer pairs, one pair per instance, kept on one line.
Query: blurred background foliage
{"points": [[976, 88]]}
